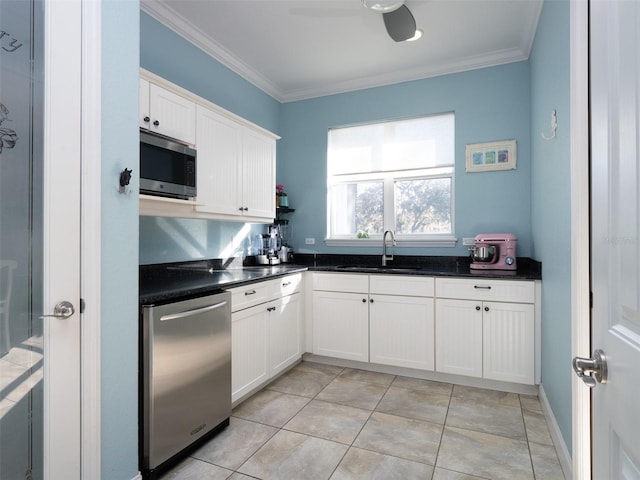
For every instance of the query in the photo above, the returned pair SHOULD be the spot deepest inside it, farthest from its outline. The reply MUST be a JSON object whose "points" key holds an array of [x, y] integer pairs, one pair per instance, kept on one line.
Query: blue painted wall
{"points": [[504, 102], [119, 229], [551, 203], [489, 104], [167, 54]]}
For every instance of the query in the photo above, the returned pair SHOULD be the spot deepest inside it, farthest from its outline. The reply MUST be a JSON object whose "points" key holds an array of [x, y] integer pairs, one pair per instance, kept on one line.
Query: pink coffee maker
{"points": [[494, 251]]}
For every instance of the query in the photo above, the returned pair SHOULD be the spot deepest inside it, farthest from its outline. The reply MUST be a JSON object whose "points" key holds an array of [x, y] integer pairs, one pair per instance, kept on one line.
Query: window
{"points": [[392, 176]]}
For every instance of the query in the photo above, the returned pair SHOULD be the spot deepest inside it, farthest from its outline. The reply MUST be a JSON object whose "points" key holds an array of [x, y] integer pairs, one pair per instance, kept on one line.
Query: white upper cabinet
{"points": [[167, 113], [219, 164], [236, 168], [258, 175], [236, 159]]}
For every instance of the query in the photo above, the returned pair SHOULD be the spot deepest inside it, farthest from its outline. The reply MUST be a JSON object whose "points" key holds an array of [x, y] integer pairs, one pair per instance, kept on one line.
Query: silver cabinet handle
{"points": [[250, 292], [585, 367], [190, 313], [483, 287], [286, 284], [62, 310]]}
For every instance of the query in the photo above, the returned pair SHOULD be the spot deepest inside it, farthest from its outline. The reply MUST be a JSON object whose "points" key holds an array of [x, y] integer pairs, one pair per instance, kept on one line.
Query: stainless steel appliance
{"points": [[167, 167], [185, 377], [494, 251]]}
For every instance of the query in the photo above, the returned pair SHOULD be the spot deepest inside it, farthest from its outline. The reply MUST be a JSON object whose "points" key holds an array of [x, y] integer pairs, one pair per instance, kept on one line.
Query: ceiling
{"points": [[298, 49]]}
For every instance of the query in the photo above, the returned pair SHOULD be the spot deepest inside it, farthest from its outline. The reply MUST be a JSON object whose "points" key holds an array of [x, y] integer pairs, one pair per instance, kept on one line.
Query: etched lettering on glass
{"points": [[9, 46], [8, 137]]}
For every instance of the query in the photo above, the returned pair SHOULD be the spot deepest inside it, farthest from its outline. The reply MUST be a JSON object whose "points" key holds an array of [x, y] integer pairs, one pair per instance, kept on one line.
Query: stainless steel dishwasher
{"points": [[185, 377]]}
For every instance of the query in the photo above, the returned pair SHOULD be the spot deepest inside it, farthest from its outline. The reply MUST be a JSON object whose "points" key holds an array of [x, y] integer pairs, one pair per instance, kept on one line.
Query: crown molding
{"points": [[178, 24], [409, 75], [164, 14]]}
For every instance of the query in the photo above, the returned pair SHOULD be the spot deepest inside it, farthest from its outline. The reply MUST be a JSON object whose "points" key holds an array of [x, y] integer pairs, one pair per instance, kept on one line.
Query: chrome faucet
{"points": [[386, 257]]}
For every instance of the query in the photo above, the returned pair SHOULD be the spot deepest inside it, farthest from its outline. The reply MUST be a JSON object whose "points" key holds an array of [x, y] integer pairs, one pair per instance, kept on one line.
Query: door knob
{"points": [[62, 310], [591, 370]]}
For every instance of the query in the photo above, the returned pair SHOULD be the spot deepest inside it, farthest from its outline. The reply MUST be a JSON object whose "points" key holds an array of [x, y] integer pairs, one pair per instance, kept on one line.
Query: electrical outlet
{"points": [[468, 240], [309, 241]]}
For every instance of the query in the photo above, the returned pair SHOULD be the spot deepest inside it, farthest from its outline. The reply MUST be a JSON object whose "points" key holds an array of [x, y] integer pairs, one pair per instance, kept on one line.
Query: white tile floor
{"points": [[326, 422]]}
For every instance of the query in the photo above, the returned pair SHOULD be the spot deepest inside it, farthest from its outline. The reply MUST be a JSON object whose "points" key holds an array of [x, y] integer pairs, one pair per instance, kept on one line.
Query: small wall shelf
{"points": [[282, 211]]}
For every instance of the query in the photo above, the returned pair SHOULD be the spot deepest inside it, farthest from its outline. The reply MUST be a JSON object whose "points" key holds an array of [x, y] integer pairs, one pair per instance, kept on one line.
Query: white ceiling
{"points": [[297, 49]]}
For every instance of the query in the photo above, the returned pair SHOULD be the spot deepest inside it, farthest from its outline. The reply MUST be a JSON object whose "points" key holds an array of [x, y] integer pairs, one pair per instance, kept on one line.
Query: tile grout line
{"points": [[444, 424], [280, 429], [363, 424]]}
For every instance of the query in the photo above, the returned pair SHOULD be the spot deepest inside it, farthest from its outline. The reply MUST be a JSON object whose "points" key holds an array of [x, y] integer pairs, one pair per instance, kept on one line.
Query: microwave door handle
{"points": [[190, 313]]}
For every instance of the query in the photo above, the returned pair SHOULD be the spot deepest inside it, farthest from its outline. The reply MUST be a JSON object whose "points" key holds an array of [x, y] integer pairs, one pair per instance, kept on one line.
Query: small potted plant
{"points": [[281, 197]]}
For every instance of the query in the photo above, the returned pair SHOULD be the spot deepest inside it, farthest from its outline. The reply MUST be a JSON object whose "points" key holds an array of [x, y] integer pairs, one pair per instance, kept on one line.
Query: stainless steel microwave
{"points": [[167, 167]]}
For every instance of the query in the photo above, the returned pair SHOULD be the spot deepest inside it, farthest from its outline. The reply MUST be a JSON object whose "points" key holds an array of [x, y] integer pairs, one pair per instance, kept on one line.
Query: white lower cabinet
{"points": [[265, 336], [508, 342], [341, 325], [283, 331], [494, 340], [401, 331], [483, 328], [249, 357], [385, 319], [458, 337]]}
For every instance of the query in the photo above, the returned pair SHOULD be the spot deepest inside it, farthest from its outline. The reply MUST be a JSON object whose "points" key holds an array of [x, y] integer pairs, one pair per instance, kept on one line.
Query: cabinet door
{"points": [[144, 113], [402, 331], [258, 174], [249, 360], [219, 168], [508, 342], [175, 115], [459, 337], [341, 325], [284, 333]]}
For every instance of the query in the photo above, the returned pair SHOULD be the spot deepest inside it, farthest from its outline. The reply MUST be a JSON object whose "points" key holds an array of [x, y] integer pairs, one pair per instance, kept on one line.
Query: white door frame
{"points": [[580, 245], [73, 126], [90, 260]]}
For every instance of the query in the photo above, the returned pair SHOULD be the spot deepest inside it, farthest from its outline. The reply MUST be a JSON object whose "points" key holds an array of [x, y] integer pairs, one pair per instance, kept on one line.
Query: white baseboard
{"points": [[137, 477], [558, 441]]}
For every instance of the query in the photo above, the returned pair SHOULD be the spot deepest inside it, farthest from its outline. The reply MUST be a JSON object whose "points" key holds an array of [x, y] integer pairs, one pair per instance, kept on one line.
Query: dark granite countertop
{"points": [[528, 269], [160, 283]]}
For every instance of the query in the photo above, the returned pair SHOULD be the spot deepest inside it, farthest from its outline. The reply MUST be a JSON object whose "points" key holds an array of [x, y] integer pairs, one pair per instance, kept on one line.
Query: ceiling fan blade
{"points": [[400, 24]]}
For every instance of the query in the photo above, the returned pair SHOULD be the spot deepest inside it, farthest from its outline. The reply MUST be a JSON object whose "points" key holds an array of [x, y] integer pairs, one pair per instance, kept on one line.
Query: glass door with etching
{"points": [[39, 344]]}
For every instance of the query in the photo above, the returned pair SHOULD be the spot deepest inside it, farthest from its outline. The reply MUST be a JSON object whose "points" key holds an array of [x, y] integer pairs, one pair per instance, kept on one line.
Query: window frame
{"points": [[389, 178]]}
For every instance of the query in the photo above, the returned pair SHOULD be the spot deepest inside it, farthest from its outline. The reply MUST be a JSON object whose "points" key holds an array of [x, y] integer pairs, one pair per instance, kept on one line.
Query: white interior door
{"points": [[615, 240], [39, 239]]}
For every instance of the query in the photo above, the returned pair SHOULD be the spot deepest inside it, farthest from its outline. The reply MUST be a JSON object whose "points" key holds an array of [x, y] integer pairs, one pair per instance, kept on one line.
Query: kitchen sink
{"points": [[376, 268]]}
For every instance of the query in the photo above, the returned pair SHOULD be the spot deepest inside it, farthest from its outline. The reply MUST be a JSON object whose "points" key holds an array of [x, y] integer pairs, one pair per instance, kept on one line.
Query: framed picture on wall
{"points": [[482, 157]]}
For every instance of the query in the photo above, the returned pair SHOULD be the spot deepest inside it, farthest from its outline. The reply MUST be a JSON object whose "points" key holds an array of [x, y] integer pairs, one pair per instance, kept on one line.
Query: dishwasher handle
{"points": [[190, 313]]}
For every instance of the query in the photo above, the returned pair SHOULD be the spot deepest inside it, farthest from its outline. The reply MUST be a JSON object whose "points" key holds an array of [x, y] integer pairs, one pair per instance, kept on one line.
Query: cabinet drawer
{"points": [[287, 285], [341, 282], [410, 285], [249, 295], [486, 289]]}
